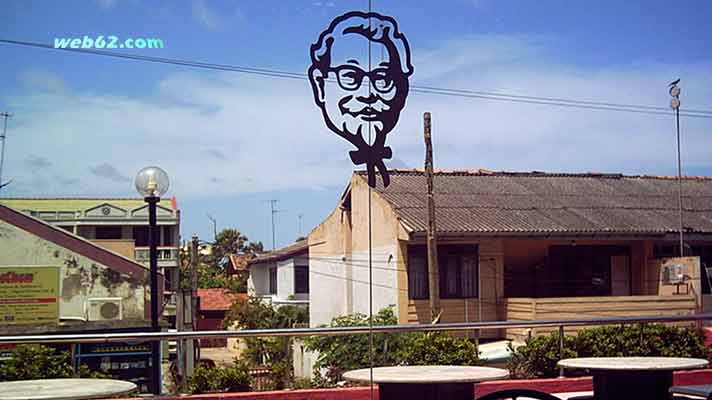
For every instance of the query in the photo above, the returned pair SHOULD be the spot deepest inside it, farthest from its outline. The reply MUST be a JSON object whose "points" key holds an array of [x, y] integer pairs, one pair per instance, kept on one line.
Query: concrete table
{"points": [[64, 389], [632, 377], [427, 382]]}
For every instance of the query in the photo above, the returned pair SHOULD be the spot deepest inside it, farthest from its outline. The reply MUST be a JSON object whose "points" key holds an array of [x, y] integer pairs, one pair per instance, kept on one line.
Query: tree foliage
{"points": [[211, 271], [28, 362], [218, 379], [338, 354], [275, 353]]}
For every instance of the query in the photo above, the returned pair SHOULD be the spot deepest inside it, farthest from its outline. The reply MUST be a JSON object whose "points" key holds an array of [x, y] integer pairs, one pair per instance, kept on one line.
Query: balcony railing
{"points": [[340, 331], [164, 254]]}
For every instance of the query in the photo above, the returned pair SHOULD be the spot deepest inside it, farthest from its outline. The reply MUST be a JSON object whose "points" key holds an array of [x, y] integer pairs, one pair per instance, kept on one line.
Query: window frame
{"points": [[272, 280], [444, 251], [304, 289]]}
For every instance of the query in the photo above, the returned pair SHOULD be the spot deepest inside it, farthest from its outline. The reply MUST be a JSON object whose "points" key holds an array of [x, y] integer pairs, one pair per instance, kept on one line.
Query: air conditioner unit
{"points": [[104, 309], [672, 274]]}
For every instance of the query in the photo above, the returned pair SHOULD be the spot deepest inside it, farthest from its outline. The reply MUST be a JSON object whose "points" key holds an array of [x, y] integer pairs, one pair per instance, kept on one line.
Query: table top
{"points": [[634, 363], [428, 374], [64, 389]]}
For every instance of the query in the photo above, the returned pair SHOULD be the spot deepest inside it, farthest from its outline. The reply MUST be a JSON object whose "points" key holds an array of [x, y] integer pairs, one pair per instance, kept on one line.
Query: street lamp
{"points": [[675, 105], [152, 183]]}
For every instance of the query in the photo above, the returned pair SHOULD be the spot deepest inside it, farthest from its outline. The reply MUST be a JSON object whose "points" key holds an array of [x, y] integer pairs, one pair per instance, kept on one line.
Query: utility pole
{"points": [[675, 105], [5, 116], [186, 314], [432, 243], [274, 210]]}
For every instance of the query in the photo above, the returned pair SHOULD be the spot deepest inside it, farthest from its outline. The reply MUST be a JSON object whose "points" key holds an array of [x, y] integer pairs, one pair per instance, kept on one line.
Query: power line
{"points": [[464, 93]]}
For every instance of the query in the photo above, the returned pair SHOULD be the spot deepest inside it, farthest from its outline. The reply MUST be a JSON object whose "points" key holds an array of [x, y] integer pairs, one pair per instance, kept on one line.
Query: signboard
{"points": [[29, 295]]}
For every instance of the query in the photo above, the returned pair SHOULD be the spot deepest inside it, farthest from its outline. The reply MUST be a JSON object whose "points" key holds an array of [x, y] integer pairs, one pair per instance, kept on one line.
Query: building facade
{"points": [[117, 224], [281, 276], [515, 246]]}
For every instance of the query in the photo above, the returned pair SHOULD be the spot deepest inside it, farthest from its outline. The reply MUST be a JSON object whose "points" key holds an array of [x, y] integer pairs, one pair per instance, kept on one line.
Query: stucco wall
{"points": [[338, 258], [258, 281], [80, 277], [285, 279]]}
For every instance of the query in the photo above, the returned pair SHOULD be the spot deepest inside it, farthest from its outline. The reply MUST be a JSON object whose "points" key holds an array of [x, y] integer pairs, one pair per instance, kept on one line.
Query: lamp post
{"points": [[675, 105], [152, 183]]}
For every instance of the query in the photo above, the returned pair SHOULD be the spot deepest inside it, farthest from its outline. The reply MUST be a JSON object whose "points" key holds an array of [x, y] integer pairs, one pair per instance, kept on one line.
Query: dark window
{"points": [[417, 273], [140, 235], [168, 236], [301, 279], [273, 281], [577, 271], [107, 232], [457, 270]]}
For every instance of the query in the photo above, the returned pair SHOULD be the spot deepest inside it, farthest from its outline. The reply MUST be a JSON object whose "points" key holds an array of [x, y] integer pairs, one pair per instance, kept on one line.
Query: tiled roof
{"points": [[218, 299], [486, 202], [239, 261], [280, 254]]}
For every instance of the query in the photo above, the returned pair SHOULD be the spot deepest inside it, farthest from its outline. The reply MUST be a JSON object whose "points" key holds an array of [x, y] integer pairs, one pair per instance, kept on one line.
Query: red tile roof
{"points": [[218, 299]]}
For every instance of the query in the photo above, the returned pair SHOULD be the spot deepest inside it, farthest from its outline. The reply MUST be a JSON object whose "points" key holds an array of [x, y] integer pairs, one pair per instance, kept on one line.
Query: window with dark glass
{"points": [[417, 273], [140, 235], [273, 281], [107, 232], [301, 279], [457, 270]]}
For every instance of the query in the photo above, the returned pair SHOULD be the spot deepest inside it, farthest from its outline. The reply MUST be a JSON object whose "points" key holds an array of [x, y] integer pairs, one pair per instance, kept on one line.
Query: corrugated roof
{"points": [[70, 204], [488, 202]]}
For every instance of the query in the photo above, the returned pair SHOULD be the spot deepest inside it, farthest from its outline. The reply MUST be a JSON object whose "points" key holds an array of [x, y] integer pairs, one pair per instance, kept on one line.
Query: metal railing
{"points": [[351, 330]]}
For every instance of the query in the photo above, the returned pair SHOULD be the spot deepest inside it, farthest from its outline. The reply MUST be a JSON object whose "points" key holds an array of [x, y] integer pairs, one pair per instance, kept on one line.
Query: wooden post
{"points": [[433, 274]]}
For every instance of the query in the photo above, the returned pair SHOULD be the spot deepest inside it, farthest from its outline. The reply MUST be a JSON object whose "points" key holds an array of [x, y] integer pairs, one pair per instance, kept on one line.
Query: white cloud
{"points": [[206, 16], [226, 134], [43, 80]]}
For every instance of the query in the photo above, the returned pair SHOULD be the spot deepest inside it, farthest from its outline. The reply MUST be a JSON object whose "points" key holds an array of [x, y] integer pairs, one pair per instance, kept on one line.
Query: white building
{"points": [[281, 276]]}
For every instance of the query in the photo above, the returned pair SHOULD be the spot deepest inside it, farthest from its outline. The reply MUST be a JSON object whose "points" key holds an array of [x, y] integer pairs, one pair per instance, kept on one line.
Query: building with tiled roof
{"points": [[213, 307], [515, 245]]}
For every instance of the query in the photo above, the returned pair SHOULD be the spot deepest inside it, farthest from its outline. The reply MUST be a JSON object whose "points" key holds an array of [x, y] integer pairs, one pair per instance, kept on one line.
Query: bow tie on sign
{"points": [[373, 157]]}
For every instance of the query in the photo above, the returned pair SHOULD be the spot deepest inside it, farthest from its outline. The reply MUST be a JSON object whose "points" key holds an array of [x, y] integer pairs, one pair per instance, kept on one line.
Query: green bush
{"points": [[217, 379], [539, 356], [338, 354], [438, 348], [302, 383], [42, 362]]}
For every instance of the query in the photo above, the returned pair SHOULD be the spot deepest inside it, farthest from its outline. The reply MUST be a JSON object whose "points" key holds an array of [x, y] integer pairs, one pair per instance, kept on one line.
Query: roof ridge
{"points": [[542, 174], [70, 198]]}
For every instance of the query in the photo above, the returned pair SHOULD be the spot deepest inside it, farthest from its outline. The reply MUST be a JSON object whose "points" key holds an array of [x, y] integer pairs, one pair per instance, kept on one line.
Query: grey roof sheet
{"points": [[485, 202]]}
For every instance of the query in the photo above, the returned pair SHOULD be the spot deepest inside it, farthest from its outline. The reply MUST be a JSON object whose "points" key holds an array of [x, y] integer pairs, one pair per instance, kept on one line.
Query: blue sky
{"points": [[85, 124]]}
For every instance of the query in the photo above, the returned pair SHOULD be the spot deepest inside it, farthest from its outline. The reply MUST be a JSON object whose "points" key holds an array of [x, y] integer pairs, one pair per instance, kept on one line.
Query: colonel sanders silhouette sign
{"points": [[361, 100]]}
